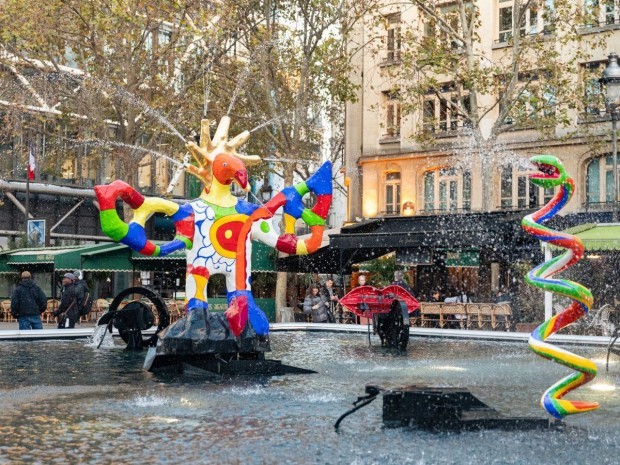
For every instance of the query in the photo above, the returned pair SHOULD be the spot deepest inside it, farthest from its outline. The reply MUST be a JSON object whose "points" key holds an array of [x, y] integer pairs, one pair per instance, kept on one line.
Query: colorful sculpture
{"points": [[553, 175], [217, 228]]}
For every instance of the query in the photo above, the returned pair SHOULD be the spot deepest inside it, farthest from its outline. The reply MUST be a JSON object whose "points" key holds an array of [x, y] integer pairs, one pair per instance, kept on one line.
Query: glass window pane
{"points": [[593, 182], [505, 23], [443, 115], [522, 187], [549, 193], [453, 195], [429, 191], [609, 186], [443, 195], [506, 186], [466, 190]]}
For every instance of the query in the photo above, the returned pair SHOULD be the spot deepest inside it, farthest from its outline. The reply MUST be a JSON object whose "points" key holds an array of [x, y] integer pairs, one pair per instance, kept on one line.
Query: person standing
{"points": [[68, 311], [83, 294], [28, 302], [314, 305], [331, 299]]}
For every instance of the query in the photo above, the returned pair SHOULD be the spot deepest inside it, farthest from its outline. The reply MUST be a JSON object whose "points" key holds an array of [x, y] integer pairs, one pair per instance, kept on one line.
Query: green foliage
{"points": [[533, 77], [382, 270]]}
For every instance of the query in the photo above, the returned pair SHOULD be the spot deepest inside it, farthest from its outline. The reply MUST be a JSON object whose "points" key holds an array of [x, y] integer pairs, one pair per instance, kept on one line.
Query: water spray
{"points": [[177, 174]]}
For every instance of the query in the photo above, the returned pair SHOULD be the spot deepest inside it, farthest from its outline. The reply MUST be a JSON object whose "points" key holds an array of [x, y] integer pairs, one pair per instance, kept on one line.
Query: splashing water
{"points": [[266, 123], [101, 338], [246, 72], [138, 103], [100, 142]]}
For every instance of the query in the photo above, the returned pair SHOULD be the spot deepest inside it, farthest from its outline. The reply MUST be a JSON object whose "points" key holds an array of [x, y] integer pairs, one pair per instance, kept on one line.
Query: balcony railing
{"points": [[444, 211], [598, 206], [590, 25]]}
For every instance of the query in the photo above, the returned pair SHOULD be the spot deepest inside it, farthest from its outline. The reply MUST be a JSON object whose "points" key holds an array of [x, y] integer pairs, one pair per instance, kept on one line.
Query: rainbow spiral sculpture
{"points": [[552, 175]]}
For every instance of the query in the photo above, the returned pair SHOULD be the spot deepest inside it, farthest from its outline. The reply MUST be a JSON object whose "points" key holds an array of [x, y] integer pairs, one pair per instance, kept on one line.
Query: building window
{"points": [[447, 190], [392, 114], [533, 20], [593, 101], [429, 190], [392, 193], [601, 12], [600, 180], [516, 190], [434, 34], [534, 102], [393, 37], [445, 112]]}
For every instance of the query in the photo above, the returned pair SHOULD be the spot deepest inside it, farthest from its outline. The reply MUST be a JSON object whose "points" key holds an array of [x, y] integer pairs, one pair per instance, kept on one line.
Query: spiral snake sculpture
{"points": [[552, 175]]}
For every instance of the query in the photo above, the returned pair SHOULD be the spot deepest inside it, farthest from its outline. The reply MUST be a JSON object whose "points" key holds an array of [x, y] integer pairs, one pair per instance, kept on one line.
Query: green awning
{"points": [[263, 259], [111, 257], [462, 258], [597, 237], [47, 259]]}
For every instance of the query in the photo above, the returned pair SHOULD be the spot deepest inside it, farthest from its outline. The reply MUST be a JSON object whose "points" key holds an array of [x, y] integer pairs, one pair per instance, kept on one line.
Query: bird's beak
{"points": [[242, 178]]}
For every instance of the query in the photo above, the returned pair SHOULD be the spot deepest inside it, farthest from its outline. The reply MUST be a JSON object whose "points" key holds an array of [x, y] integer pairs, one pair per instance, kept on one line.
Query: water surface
{"points": [[65, 402]]}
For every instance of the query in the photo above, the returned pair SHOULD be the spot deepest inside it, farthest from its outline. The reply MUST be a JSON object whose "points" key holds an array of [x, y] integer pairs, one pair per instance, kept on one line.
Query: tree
{"points": [[534, 83], [134, 68], [297, 77], [140, 65]]}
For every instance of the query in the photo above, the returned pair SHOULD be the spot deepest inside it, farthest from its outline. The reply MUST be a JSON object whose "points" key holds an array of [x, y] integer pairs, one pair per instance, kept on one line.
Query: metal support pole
{"points": [[548, 294], [614, 144], [27, 210]]}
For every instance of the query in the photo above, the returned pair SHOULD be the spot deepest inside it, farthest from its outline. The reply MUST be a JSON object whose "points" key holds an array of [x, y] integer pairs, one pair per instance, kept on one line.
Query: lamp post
{"points": [[610, 86], [265, 192]]}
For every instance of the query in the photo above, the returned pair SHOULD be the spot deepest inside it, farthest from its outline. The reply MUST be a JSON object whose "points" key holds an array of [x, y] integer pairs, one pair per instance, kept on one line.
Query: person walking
{"points": [[28, 302], [314, 305], [68, 311], [331, 299]]}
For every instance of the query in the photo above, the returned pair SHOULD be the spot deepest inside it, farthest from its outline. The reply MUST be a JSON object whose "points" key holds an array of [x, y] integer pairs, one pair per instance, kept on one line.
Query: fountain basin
{"points": [[71, 402]]}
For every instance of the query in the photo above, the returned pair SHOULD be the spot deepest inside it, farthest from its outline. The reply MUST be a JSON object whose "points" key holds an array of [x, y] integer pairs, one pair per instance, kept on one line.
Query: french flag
{"points": [[31, 165]]}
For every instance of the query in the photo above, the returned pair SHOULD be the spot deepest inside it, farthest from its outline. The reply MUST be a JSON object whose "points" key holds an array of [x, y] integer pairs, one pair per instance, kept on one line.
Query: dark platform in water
{"points": [[250, 364], [441, 409]]}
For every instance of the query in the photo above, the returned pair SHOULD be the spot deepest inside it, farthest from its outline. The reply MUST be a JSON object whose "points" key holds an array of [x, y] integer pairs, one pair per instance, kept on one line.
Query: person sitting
{"points": [[314, 305], [435, 296], [502, 296], [460, 297], [398, 281]]}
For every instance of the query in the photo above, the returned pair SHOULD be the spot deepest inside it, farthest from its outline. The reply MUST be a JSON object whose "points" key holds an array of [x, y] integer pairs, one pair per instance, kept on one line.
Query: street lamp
{"points": [[610, 86], [265, 192]]}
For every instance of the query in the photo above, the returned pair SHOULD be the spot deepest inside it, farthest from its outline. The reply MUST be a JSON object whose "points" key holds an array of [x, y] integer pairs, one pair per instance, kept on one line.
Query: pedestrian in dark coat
{"points": [[27, 303], [314, 304], [68, 311], [331, 297], [83, 293]]}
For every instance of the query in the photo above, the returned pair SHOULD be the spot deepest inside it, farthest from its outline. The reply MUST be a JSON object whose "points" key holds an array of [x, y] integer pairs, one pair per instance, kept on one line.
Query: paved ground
{"points": [[13, 325]]}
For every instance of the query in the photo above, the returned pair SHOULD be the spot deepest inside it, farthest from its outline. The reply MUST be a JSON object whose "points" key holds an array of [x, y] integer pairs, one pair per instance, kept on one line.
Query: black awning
{"points": [[328, 260], [498, 231]]}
